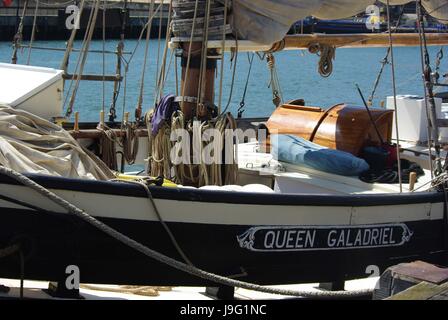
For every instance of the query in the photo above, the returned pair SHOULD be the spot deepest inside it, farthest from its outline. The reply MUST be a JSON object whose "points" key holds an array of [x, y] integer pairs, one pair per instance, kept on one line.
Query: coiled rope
{"points": [[327, 54], [107, 143], [167, 260], [130, 142]]}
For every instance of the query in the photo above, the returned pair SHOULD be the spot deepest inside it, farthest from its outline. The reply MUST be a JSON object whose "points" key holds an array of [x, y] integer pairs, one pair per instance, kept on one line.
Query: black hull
{"points": [[51, 242]]}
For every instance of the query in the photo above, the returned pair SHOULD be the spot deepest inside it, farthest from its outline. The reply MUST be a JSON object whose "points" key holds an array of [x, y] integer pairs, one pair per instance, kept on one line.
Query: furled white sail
{"points": [[267, 21], [339, 9], [32, 144]]}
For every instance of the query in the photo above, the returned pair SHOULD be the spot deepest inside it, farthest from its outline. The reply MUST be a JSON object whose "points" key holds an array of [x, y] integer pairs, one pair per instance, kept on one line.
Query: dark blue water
{"points": [[297, 72]]}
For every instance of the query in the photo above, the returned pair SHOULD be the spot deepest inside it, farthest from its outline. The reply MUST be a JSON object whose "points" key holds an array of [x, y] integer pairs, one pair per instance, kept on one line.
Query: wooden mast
{"points": [[191, 80], [198, 71]]}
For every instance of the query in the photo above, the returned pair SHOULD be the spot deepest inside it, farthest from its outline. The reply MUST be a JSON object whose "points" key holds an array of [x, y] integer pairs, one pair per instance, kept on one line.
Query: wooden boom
{"points": [[362, 40], [303, 41]]}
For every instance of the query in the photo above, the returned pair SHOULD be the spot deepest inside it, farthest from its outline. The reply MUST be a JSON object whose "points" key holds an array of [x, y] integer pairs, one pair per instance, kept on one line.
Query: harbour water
{"points": [[297, 72]]}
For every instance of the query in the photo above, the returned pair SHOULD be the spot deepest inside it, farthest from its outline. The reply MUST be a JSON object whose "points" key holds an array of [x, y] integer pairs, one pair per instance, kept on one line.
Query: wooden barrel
{"points": [[343, 127]]}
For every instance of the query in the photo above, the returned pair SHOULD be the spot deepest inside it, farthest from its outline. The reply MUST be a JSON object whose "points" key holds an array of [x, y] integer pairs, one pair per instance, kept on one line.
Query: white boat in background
{"points": [[34, 89]]}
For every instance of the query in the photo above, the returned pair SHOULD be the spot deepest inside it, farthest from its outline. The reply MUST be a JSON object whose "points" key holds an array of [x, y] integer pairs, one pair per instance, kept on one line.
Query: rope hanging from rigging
{"points": [[130, 142], [243, 103], [327, 54], [138, 108], [274, 83], [19, 35], [33, 32], [435, 75], [107, 145], [384, 61]]}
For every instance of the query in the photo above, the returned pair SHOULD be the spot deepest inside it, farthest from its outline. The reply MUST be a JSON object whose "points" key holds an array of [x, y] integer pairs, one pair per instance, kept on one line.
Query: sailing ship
{"points": [[260, 219]]}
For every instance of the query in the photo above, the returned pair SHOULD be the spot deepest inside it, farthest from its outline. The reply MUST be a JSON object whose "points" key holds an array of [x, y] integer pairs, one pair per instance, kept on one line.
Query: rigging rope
{"points": [[274, 83], [119, 53], [384, 62], [83, 57], [103, 105], [203, 68], [433, 131], [394, 88], [19, 34], [435, 75], [33, 32], [68, 50], [160, 83], [156, 78], [221, 72], [242, 103], [165, 259], [138, 108]]}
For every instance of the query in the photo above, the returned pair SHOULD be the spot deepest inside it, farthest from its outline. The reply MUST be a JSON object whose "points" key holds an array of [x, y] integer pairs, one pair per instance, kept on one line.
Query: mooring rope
{"points": [[167, 260]]}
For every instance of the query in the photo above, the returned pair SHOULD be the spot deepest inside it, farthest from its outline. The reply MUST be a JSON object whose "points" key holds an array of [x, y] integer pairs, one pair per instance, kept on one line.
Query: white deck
{"points": [[291, 178]]}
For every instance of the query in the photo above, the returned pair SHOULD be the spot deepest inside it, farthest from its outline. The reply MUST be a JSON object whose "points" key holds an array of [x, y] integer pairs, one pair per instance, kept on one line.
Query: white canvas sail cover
{"points": [[30, 144], [268, 21]]}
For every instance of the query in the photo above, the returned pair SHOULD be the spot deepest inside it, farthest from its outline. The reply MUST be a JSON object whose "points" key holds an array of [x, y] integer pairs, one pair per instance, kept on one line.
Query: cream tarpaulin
{"points": [[268, 21], [30, 144]]}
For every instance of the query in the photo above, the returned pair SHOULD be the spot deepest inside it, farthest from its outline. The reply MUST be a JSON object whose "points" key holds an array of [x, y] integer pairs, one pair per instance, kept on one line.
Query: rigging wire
{"points": [[395, 94]]}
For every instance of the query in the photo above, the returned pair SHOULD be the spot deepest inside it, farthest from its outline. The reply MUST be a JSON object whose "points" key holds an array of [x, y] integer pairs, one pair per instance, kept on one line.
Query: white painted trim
{"points": [[137, 208]]}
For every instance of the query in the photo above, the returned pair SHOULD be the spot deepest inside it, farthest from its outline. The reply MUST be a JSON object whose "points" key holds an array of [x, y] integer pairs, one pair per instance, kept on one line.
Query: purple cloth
{"points": [[164, 109]]}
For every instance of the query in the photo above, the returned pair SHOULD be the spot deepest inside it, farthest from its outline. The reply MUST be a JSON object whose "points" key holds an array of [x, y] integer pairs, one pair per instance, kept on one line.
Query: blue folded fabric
{"points": [[296, 150]]}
